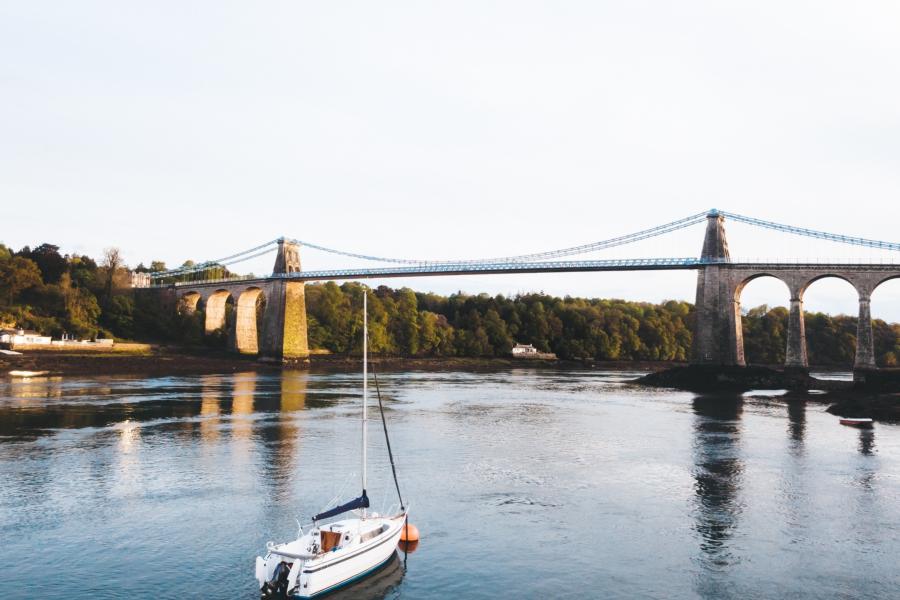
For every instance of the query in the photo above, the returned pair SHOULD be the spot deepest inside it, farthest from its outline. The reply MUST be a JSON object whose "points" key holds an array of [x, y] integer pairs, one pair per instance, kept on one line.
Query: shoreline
{"points": [[152, 360], [167, 361], [846, 398]]}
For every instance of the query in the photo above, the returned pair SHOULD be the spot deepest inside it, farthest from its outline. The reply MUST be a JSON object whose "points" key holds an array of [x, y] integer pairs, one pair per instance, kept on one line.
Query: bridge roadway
{"points": [[564, 266]]}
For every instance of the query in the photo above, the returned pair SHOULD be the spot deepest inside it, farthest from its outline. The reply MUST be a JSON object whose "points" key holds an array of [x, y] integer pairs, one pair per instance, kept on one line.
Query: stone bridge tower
{"points": [[288, 259], [718, 335], [715, 310], [284, 335]]}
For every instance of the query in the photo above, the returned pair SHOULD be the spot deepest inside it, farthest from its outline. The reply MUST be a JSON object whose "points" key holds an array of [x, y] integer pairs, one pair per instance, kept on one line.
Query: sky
{"points": [[443, 130]]}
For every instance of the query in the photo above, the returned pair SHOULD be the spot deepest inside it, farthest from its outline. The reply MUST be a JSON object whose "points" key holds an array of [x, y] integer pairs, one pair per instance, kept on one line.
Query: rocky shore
{"points": [[703, 378], [156, 362], [880, 407], [874, 394]]}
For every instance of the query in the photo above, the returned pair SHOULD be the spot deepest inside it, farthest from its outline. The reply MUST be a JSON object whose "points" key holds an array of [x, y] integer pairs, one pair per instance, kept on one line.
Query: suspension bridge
{"points": [[720, 280]]}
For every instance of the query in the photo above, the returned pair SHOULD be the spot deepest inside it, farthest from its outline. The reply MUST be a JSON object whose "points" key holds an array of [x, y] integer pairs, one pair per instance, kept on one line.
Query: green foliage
{"points": [[52, 294], [765, 334], [402, 322], [48, 259], [82, 312], [17, 274], [83, 273], [830, 340], [118, 316], [405, 323]]}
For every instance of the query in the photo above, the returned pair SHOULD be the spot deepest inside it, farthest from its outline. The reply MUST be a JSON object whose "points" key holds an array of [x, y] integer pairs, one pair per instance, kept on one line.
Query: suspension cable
{"points": [[571, 251], [574, 250], [822, 235], [217, 262]]}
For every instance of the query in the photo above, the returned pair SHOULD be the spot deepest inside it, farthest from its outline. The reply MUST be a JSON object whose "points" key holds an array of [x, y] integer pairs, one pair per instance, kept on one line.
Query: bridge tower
{"points": [[716, 313], [288, 258], [284, 325]]}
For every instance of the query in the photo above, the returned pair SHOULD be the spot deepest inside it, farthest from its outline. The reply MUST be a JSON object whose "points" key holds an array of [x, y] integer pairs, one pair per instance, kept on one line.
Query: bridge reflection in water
{"points": [[762, 497], [717, 480]]}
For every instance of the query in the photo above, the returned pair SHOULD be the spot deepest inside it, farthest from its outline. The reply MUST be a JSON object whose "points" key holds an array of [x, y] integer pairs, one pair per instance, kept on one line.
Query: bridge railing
{"points": [[814, 260], [541, 266], [235, 278]]}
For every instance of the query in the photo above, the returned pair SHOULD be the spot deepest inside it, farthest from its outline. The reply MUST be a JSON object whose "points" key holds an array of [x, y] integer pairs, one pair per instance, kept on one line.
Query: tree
{"points": [[48, 259], [406, 324], [497, 334], [83, 272], [429, 338], [17, 274], [112, 262], [82, 312], [331, 309], [119, 316]]}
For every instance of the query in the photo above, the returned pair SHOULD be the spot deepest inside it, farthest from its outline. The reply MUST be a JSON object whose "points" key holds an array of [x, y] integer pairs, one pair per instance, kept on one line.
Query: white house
{"points": [[139, 280], [524, 350], [22, 337]]}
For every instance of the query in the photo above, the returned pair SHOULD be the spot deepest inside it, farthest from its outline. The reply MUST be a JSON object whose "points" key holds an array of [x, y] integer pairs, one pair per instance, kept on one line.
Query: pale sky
{"points": [[193, 130]]}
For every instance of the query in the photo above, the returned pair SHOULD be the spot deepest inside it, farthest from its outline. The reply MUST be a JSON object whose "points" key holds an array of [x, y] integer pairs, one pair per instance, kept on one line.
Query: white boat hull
{"points": [[339, 571], [321, 573]]}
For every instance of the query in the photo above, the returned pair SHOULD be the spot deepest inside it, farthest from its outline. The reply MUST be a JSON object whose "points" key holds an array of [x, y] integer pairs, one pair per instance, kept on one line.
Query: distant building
{"points": [[529, 351], [139, 280], [522, 350], [22, 337]]}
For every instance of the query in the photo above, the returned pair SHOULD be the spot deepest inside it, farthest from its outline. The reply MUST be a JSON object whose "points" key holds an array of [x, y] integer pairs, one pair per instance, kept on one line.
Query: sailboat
{"points": [[333, 554]]}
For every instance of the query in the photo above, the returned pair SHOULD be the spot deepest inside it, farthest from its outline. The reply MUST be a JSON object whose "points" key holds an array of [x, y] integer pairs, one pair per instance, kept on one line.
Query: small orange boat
{"points": [[856, 422]]}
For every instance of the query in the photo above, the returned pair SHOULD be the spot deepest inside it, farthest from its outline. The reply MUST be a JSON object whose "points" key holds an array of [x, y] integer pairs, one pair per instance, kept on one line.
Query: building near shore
{"points": [[529, 351], [23, 339], [10, 338]]}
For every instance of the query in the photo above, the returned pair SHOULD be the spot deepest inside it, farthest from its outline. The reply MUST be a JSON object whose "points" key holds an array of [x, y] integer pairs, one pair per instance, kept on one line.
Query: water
{"points": [[525, 484]]}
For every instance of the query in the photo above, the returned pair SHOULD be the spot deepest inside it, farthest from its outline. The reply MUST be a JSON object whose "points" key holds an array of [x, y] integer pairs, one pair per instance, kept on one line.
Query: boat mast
{"points": [[365, 387]]}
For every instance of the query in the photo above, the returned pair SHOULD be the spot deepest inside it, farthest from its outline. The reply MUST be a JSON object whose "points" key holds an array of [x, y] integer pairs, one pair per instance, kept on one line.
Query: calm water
{"points": [[524, 484]]}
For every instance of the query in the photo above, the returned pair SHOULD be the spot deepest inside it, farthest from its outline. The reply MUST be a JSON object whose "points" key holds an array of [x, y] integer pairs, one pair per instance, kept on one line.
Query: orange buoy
{"points": [[408, 547], [410, 533]]}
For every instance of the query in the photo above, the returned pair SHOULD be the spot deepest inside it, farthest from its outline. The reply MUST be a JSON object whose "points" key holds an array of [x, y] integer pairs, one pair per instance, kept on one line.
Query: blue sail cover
{"points": [[361, 502]]}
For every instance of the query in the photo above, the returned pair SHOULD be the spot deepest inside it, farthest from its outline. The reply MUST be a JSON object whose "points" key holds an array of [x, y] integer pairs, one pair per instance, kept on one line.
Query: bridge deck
{"points": [[573, 266]]}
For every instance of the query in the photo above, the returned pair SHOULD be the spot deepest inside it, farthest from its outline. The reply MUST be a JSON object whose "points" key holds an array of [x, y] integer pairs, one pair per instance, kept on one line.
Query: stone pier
{"points": [[268, 315], [718, 336]]}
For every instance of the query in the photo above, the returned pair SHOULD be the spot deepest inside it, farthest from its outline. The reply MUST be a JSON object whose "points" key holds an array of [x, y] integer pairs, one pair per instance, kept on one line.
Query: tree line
{"points": [[407, 323], [58, 294], [73, 294]]}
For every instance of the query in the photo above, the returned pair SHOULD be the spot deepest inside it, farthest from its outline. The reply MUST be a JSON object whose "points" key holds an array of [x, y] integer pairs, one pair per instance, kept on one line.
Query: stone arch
{"points": [[215, 311], [740, 349], [805, 286], [188, 303], [739, 288], [884, 280], [248, 321], [829, 346], [888, 296]]}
